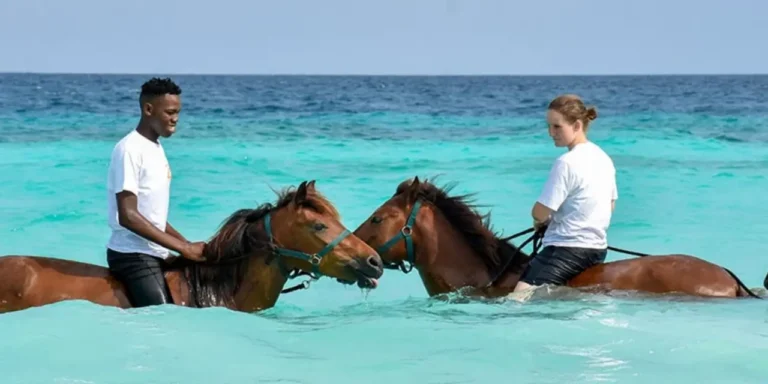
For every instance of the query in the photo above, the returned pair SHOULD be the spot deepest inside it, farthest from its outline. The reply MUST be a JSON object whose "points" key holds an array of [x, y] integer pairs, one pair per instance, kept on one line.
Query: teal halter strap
{"points": [[313, 259], [405, 233]]}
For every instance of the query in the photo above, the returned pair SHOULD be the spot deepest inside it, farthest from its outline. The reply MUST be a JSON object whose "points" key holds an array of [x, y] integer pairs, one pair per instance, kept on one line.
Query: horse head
{"points": [[302, 231]]}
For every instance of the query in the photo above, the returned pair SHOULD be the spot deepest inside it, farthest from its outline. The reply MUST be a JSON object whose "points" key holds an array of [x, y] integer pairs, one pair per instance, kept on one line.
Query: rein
{"points": [[536, 238]]}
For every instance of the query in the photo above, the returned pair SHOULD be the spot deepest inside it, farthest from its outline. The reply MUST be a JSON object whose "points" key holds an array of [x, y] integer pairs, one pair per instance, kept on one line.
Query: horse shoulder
{"points": [[179, 287]]}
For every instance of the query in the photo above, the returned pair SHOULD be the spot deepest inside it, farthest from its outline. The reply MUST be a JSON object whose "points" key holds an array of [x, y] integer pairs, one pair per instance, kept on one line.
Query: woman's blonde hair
{"points": [[573, 109]]}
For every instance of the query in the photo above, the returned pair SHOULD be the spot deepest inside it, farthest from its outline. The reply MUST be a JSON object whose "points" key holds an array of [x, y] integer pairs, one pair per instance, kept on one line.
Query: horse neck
{"points": [[447, 260], [261, 286], [507, 280]]}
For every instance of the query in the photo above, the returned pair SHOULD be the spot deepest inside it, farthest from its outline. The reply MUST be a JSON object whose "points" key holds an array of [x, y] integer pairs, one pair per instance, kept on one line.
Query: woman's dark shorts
{"points": [[556, 265]]}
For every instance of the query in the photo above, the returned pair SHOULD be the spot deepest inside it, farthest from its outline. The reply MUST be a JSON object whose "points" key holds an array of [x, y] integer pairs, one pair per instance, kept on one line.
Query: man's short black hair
{"points": [[158, 87]]}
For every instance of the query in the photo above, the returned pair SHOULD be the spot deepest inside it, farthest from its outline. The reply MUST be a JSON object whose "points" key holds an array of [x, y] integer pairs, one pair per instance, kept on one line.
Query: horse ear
{"points": [[301, 194], [311, 186], [412, 192]]}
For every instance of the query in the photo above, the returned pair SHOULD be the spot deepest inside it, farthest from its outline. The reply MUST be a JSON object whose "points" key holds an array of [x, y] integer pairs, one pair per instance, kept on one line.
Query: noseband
{"points": [[405, 233]]}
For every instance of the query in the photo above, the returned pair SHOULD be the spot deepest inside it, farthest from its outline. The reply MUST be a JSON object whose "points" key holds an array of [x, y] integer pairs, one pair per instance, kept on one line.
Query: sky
{"points": [[395, 37]]}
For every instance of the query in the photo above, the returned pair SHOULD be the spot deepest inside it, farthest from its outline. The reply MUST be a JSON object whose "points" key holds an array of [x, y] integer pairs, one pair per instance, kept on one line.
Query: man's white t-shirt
{"points": [[580, 189], [139, 165]]}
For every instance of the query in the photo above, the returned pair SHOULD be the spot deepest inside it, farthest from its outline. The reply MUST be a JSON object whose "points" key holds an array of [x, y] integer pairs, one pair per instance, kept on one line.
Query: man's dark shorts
{"points": [[142, 275], [556, 265]]}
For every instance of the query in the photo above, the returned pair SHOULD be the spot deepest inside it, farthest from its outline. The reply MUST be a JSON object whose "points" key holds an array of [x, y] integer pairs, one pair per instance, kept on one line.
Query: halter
{"points": [[405, 232], [313, 259]]}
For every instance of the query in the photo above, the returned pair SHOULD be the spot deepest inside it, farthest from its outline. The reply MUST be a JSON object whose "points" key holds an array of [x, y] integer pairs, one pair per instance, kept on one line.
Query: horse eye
{"points": [[375, 220], [319, 226]]}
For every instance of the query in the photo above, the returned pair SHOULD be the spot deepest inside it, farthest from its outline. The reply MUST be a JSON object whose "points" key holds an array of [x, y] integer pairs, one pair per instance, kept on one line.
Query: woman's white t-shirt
{"points": [[580, 189]]}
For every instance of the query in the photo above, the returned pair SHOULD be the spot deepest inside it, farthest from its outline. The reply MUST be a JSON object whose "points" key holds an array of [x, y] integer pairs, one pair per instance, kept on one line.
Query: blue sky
{"points": [[384, 37]]}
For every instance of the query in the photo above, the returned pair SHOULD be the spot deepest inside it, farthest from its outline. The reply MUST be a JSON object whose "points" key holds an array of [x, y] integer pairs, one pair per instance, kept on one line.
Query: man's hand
{"points": [[194, 251], [130, 218]]}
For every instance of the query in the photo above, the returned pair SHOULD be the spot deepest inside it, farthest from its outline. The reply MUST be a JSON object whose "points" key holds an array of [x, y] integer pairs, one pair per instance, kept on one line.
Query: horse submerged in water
{"points": [[453, 249], [248, 261]]}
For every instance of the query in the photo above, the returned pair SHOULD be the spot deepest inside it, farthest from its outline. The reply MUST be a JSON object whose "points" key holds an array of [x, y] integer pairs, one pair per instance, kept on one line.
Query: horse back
{"points": [[31, 281], [660, 274]]}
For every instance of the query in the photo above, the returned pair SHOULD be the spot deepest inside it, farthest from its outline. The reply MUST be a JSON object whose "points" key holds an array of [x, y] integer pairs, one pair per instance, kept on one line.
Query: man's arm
{"points": [[129, 217], [169, 229], [125, 169]]}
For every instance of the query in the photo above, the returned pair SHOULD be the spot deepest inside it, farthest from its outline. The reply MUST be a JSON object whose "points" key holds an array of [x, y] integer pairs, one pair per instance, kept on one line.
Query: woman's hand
{"points": [[541, 215], [539, 225]]}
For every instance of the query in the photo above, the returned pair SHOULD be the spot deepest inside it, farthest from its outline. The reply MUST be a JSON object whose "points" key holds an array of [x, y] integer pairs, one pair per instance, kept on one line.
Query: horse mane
{"points": [[229, 252], [461, 212]]}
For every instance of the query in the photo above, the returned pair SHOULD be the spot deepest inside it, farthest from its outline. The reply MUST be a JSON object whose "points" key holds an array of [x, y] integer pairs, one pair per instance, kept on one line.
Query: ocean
{"points": [[691, 154]]}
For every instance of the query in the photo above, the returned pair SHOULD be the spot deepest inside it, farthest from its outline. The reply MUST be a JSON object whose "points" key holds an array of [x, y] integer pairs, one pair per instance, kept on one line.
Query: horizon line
{"points": [[296, 74]]}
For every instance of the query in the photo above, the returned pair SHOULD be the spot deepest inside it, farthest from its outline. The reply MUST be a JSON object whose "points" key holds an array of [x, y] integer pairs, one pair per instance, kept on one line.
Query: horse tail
{"points": [[765, 282], [743, 290]]}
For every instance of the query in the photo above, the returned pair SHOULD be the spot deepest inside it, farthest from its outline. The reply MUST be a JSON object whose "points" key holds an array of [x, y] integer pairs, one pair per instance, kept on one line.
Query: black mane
{"points": [[461, 212], [229, 252]]}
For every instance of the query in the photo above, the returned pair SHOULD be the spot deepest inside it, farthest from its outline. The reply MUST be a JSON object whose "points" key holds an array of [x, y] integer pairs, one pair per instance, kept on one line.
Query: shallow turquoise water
{"points": [[689, 182]]}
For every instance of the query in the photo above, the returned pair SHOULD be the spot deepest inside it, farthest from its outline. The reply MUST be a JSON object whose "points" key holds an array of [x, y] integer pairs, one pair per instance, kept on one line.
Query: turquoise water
{"points": [[692, 166]]}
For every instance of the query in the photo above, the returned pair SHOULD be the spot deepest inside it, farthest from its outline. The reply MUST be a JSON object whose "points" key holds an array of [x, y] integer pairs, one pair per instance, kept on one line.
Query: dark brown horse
{"points": [[453, 249], [247, 261]]}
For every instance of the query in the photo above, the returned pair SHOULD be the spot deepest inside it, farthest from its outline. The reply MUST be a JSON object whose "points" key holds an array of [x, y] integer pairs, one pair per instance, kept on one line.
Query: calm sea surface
{"points": [[692, 160]]}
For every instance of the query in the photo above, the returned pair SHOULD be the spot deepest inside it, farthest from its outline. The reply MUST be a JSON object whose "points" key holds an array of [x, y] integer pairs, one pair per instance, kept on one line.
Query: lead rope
{"points": [[294, 273], [303, 285]]}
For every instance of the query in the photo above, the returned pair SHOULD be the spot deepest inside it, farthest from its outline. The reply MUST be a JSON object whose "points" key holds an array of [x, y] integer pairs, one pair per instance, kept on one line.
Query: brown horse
{"points": [[453, 249], [246, 265]]}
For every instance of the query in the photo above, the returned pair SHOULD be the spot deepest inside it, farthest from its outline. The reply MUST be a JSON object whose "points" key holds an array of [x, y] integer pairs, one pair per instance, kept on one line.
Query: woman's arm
{"points": [[553, 194]]}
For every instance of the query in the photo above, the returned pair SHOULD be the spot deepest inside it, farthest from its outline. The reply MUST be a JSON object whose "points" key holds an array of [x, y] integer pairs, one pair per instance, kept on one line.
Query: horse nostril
{"points": [[374, 261]]}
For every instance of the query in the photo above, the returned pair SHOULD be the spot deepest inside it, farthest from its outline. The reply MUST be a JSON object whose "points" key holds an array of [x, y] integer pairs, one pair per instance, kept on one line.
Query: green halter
{"points": [[405, 233], [313, 259]]}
